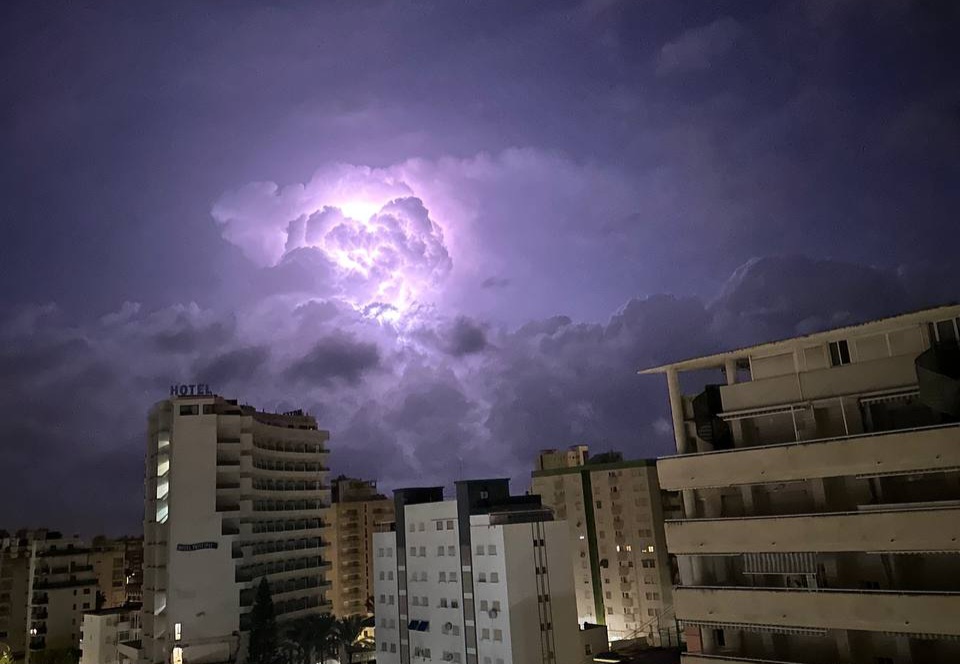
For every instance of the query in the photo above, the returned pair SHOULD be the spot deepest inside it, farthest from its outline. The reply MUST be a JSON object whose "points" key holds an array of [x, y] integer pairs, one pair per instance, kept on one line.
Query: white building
{"points": [[481, 579], [821, 490], [233, 495], [110, 635]]}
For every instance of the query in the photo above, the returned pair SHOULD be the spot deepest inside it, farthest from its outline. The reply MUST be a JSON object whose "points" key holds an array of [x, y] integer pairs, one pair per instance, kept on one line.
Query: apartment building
{"points": [[233, 495], [107, 558], [111, 636], [614, 512], [483, 578], [356, 511], [47, 581], [821, 491]]}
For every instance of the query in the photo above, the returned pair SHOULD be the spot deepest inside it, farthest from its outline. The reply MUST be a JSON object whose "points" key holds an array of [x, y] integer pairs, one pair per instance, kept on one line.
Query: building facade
{"points": [[480, 579], [233, 495], [356, 511], [110, 636], [47, 581], [614, 511], [821, 491]]}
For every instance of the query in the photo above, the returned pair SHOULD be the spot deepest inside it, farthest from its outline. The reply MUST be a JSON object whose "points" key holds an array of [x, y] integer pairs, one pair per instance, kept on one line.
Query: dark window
{"points": [[190, 410], [718, 638], [839, 353], [208, 409]]}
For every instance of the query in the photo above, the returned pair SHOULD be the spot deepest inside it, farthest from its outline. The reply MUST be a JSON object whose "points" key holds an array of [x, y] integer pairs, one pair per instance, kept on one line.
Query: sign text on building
{"points": [[196, 546], [194, 390]]}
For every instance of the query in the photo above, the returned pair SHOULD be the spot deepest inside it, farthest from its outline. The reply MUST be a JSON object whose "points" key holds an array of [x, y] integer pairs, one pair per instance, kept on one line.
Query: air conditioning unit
{"points": [[493, 613], [448, 626]]}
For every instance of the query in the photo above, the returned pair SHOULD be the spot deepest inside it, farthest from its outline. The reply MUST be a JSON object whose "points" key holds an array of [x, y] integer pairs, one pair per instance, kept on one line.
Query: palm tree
{"points": [[348, 631], [314, 636], [263, 645]]}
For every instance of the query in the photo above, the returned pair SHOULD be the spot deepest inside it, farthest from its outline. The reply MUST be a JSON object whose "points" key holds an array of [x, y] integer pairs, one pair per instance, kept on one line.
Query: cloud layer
{"points": [[436, 398]]}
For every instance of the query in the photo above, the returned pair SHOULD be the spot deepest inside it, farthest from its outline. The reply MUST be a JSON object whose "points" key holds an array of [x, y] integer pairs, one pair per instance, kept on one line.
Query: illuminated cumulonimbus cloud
{"points": [[369, 224]]}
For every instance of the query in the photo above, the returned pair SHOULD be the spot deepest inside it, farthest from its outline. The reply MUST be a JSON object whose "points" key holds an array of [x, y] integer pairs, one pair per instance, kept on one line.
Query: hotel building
{"points": [[356, 511], [483, 578], [614, 511], [821, 492], [233, 495]]}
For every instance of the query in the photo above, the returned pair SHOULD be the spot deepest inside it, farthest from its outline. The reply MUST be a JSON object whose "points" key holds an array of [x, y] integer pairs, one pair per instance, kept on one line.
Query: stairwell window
{"points": [[839, 353]]}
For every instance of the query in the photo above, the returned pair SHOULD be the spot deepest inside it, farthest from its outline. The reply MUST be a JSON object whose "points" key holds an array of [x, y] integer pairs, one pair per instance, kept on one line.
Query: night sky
{"points": [[451, 230]]}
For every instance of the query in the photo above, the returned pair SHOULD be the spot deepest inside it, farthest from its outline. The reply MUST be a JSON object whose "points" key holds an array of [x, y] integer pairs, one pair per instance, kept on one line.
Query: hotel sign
{"points": [[196, 546], [191, 390]]}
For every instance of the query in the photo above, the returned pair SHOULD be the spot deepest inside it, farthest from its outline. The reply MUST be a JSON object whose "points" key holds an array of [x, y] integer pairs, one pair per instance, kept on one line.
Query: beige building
{"points": [[46, 583], [107, 558], [357, 509], [110, 636], [614, 512], [233, 495], [821, 490]]}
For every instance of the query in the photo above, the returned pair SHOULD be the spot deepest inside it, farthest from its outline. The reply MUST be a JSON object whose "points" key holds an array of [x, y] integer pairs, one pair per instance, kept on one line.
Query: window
{"points": [[479, 549], [208, 409], [449, 524], [718, 638], [190, 410], [495, 605], [390, 600], [413, 527], [440, 550], [484, 605], [380, 554], [599, 504], [420, 526], [839, 353], [383, 598], [439, 525], [494, 577], [492, 550], [177, 630], [498, 635], [485, 634], [453, 577], [451, 550], [648, 563], [442, 577], [481, 577], [413, 551], [382, 575], [390, 575], [423, 551]]}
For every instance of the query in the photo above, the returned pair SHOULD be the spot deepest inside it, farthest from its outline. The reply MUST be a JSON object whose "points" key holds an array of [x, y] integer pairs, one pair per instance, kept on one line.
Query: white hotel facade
{"points": [[484, 578], [233, 495]]}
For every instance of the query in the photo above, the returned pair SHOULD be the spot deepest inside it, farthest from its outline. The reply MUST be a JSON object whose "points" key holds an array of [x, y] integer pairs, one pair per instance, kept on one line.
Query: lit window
{"points": [[176, 631]]}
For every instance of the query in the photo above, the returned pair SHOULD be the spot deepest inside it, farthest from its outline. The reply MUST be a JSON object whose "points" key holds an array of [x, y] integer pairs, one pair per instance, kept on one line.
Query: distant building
{"points": [[111, 636], [480, 579], [107, 558], [614, 512], [233, 495], [357, 509], [47, 581], [821, 491]]}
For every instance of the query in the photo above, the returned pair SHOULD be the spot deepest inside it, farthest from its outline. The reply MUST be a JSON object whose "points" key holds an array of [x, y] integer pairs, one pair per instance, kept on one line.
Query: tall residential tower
{"points": [[356, 511], [233, 495], [614, 511]]}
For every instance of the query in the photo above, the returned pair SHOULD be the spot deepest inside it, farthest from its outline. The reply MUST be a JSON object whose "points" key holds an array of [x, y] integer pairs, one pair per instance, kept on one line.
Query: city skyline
{"points": [[451, 236]]}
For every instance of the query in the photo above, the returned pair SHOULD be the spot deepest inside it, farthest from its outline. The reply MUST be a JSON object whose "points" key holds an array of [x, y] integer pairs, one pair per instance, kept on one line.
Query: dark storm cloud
{"points": [[495, 282], [239, 365], [466, 337], [336, 357]]}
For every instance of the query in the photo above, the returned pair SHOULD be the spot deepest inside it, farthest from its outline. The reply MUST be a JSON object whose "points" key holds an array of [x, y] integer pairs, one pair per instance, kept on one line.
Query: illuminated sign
{"points": [[194, 390], [196, 546], [176, 657]]}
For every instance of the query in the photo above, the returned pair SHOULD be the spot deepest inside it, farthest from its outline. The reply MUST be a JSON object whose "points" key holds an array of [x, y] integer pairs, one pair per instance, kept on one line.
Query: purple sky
{"points": [[451, 230]]}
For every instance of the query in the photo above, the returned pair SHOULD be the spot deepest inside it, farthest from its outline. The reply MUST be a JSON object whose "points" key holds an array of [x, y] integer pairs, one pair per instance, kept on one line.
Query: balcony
{"points": [[864, 454], [868, 610], [892, 530], [857, 378]]}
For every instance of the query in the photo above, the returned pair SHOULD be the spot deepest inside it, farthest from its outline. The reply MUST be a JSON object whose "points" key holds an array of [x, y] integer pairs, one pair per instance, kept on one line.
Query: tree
{"points": [[6, 657], [313, 635], [348, 631], [264, 645]]}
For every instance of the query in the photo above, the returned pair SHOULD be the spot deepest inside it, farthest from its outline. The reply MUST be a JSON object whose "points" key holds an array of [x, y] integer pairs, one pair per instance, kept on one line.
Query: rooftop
{"points": [[771, 347]]}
